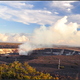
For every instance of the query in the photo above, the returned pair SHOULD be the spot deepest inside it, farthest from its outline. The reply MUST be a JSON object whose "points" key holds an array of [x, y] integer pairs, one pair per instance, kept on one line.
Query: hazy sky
{"points": [[18, 19]]}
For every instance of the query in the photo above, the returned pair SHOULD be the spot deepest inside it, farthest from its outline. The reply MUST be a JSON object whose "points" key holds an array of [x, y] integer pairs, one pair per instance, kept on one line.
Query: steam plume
{"points": [[61, 33]]}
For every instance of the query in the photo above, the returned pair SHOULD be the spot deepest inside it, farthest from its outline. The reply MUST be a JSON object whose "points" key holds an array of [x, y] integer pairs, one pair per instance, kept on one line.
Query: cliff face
{"points": [[9, 47], [8, 50]]}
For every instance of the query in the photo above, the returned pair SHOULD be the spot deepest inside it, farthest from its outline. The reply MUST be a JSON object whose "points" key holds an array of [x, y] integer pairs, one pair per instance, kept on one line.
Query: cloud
{"points": [[22, 13], [61, 33], [62, 5], [14, 37], [74, 18], [56, 13], [17, 4]]}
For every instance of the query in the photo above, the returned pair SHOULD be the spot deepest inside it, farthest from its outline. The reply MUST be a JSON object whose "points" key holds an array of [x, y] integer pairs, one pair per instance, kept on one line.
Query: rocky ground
{"points": [[70, 65]]}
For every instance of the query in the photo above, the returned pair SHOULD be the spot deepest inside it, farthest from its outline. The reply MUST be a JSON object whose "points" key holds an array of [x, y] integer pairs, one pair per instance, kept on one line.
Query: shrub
{"points": [[61, 67], [17, 70]]}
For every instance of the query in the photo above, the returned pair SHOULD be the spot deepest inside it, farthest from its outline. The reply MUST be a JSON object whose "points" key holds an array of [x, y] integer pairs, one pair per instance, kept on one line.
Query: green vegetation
{"points": [[17, 70], [76, 63], [61, 67]]}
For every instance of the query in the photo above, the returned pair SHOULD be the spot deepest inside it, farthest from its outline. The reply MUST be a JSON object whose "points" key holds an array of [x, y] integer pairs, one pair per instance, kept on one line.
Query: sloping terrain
{"points": [[49, 64], [71, 64]]}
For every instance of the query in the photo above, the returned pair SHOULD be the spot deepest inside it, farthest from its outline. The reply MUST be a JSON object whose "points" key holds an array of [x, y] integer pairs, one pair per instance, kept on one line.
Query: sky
{"points": [[20, 21]]}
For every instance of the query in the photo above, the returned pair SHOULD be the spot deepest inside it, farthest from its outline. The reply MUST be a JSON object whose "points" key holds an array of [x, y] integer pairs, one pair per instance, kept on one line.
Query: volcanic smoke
{"points": [[61, 33]]}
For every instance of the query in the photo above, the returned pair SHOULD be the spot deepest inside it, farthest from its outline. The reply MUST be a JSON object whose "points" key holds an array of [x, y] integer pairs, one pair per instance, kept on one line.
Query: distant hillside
{"points": [[9, 45]]}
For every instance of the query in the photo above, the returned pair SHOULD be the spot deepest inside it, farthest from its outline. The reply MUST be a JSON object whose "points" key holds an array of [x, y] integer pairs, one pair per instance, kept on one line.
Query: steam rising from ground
{"points": [[61, 33]]}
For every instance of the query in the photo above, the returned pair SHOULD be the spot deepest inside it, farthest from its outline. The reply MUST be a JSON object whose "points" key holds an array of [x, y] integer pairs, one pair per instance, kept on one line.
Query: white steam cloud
{"points": [[61, 33]]}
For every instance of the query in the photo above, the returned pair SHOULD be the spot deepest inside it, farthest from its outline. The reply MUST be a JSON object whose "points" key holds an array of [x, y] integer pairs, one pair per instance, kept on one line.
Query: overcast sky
{"points": [[19, 19]]}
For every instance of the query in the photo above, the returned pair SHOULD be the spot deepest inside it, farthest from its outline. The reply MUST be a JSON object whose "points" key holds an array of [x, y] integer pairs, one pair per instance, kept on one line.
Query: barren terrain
{"points": [[70, 65], [49, 64]]}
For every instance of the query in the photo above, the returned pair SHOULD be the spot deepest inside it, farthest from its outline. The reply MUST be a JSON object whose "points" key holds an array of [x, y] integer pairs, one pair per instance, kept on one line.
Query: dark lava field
{"points": [[70, 65]]}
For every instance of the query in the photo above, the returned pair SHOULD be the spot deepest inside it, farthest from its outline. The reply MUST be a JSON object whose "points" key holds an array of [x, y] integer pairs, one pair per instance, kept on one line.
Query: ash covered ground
{"points": [[48, 63]]}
